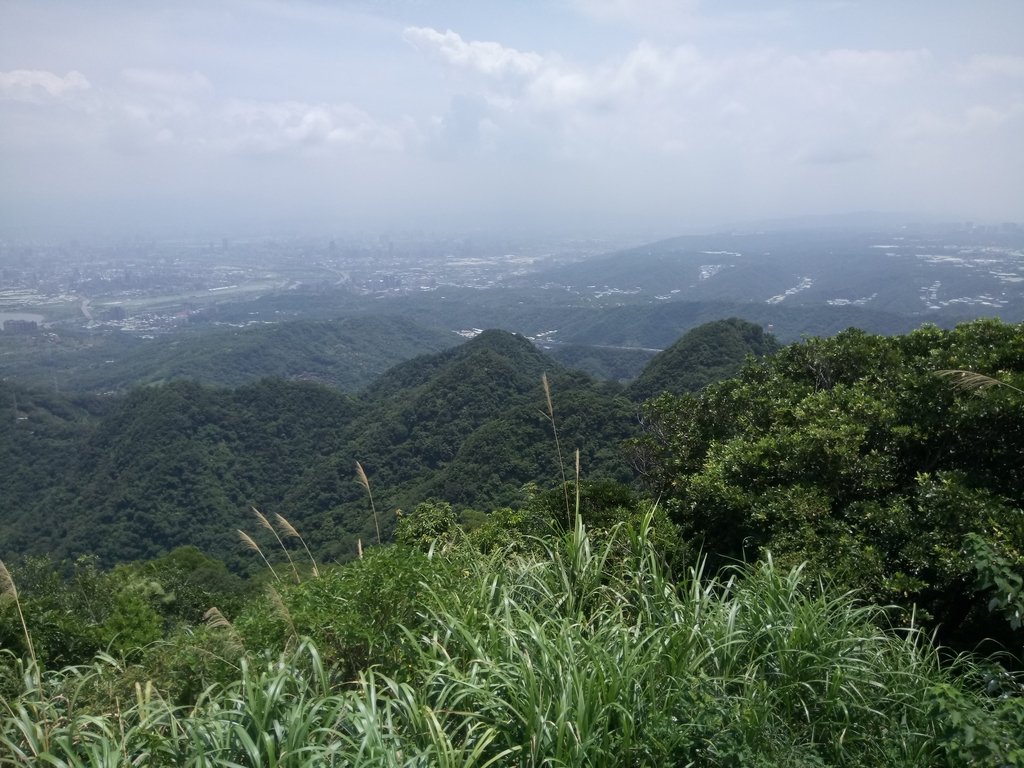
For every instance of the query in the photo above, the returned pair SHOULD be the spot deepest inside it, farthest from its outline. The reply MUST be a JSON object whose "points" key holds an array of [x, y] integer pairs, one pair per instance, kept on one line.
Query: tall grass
{"points": [[266, 524], [586, 656], [9, 589], [365, 482], [550, 413], [289, 531], [972, 381]]}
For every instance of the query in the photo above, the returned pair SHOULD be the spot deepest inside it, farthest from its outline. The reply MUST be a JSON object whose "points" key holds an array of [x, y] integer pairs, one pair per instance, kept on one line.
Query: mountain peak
{"points": [[708, 353]]}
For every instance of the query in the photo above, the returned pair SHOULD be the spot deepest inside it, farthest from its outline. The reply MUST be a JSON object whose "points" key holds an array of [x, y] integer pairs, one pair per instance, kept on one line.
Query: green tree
{"points": [[850, 453]]}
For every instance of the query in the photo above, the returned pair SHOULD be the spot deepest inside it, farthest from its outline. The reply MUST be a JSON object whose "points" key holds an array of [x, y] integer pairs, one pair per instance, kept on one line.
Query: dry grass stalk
{"points": [[361, 473], [289, 530], [266, 524], [8, 587], [577, 483], [558, 447], [248, 541], [215, 619], [282, 610], [972, 381]]}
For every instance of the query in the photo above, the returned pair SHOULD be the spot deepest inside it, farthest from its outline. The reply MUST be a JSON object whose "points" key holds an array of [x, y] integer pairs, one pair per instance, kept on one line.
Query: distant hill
{"points": [[346, 353], [634, 321], [709, 353], [621, 364], [467, 426], [925, 276], [134, 476], [660, 325]]}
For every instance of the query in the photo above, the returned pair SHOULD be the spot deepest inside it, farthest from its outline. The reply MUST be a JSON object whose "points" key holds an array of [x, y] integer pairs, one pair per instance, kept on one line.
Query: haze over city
{"points": [[259, 116]]}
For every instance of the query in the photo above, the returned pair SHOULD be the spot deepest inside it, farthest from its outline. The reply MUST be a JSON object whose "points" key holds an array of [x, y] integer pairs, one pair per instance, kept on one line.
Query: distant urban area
{"points": [[148, 288], [153, 287]]}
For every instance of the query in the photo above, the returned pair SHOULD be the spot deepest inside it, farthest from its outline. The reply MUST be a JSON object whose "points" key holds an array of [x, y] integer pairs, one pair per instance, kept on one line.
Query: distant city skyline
{"points": [[661, 116]]}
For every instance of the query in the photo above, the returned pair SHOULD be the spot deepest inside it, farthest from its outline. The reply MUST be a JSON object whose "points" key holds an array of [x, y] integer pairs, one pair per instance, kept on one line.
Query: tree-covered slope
{"points": [[709, 353], [347, 353], [855, 455], [178, 464], [181, 463], [41, 435], [468, 426]]}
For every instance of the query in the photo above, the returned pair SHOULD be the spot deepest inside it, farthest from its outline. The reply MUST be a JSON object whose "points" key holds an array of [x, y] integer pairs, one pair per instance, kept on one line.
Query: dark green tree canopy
{"points": [[853, 454], [709, 353]]}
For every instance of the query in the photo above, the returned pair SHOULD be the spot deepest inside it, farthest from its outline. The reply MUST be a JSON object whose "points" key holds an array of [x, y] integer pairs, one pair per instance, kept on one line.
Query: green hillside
{"points": [[826, 570], [181, 463], [855, 456], [347, 353], [173, 465], [708, 353]]}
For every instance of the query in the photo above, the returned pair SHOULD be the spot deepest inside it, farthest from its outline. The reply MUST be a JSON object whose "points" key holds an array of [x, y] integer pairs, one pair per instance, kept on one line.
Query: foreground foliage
{"points": [[853, 455], [585, 656]]}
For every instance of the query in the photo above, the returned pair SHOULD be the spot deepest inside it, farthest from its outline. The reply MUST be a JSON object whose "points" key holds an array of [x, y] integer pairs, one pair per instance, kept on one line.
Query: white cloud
{"points": [[36, 85], [516, 79], [819, 107], [623, 105], [279, 126], [487, 58], [972, 120]]}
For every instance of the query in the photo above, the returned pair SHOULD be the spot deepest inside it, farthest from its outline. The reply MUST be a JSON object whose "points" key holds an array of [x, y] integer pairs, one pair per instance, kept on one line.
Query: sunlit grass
{"points": [[586, 656]]}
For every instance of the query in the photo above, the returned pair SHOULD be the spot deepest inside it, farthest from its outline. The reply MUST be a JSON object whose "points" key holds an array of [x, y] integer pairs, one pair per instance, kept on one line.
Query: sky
{"points": [[572, 116]]}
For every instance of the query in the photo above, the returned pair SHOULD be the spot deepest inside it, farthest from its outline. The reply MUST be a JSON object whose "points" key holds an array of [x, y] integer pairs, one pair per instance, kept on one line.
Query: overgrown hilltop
{"points": [[707, 354], [346, 353], [856, 455], [181, 463], [584, 653]]}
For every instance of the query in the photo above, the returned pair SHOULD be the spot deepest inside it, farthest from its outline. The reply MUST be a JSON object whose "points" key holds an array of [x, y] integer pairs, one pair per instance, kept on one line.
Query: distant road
{"points": [[597, 346]]}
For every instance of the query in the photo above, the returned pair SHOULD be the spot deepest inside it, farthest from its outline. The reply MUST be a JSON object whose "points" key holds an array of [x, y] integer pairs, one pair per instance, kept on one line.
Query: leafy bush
{"points": [[580, 657], [851, 454]]}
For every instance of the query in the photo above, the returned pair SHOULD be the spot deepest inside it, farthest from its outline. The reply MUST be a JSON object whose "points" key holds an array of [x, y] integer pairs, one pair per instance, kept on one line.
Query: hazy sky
{"points": [[575, 115]]}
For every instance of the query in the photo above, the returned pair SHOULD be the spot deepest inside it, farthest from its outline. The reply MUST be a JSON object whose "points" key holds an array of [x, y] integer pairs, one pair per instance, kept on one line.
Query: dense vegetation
{"points": [[346, 353], [854, 454], [710, 353], [583, 654], [136, 476], [770, 598]]}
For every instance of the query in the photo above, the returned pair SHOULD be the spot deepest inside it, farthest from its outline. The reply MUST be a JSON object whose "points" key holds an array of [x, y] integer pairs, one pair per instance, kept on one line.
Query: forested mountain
{"points": [[347, 353], [709, 353], [171, 465], [133, 477], [41, 437]]}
